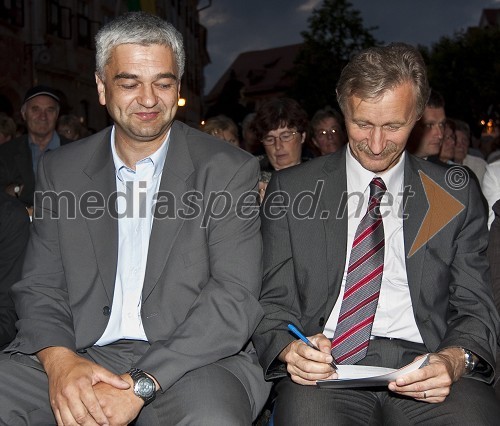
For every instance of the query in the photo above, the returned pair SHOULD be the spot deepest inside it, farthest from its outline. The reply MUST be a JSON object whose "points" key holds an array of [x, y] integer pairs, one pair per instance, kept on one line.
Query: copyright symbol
{"points": [[456, 177]]}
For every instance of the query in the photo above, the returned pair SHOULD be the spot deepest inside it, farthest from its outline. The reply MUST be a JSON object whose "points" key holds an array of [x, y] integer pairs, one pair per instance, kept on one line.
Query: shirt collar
{"points": [[358, 178], [55, 142], [157, 158]]}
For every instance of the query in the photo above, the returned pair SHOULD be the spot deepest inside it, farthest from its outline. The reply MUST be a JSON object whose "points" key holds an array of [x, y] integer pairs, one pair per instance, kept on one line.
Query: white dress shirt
{"points": [[394, 316], [137, 190], [476, 164], [491, 187]]}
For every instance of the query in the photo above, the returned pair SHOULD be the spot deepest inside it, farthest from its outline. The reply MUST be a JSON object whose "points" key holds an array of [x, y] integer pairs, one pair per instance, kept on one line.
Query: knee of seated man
{"points": [[469, 402], [209, 396], [215, 415]]}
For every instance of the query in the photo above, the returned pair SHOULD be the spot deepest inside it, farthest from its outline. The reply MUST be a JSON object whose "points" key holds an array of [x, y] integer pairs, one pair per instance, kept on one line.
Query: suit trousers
{"points": [[470, 402], [210, 395]]}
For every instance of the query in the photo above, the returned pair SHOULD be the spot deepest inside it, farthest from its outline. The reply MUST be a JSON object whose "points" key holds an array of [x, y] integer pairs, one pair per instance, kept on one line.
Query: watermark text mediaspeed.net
{"points": [[217, 205]]}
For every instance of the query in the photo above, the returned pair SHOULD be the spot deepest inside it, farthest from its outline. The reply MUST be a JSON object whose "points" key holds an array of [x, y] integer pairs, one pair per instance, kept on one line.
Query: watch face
{"points": [[145, 387]]}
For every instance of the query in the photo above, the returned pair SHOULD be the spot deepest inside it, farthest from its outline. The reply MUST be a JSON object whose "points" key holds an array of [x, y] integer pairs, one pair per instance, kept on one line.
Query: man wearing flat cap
{"points": [[20, 156]]}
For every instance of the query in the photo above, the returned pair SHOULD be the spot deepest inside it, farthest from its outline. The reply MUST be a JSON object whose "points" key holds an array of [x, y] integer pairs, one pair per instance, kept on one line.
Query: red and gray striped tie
{"points": [[362, 288]]}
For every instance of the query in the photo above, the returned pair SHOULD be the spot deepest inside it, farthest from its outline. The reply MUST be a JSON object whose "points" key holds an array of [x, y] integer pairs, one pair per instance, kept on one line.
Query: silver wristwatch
{"points": [[144, 386], [471, 361]]}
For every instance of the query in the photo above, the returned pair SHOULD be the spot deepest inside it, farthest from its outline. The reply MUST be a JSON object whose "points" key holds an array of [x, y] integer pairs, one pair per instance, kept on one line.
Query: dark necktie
{"points": [[362, 288]]}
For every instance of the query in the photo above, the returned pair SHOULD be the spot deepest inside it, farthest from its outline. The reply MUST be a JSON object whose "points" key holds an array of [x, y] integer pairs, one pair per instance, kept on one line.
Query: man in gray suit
{"points": [[139, 292], [494, 258], [433, 293]]}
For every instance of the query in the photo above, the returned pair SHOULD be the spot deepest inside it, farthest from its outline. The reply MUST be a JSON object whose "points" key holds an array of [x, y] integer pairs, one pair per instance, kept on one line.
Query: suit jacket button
{"points": [[321, 321], [82, 351], [106, 311]]}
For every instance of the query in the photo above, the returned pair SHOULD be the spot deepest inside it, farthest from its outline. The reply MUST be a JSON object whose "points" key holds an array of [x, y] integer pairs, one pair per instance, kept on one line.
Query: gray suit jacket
{"points": [[494, 258], [304, 263], [199, 299]]}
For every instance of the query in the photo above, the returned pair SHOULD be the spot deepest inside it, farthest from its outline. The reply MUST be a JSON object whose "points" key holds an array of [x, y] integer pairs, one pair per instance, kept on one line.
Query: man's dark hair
{"points": [[436, 100]]}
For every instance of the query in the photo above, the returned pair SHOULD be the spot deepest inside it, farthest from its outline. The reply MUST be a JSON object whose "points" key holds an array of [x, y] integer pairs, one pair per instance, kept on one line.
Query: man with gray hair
{"points": [[40, 110], [388, 265], [138, 305]]}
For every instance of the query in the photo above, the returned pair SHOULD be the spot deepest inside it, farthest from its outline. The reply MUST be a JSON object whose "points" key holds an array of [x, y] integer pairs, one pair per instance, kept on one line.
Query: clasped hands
{"points": [[84, 393], [431, 383]]}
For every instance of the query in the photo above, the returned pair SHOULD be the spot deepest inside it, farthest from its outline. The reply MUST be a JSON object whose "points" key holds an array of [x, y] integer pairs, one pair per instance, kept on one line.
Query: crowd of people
{"points": [[149, 272]]}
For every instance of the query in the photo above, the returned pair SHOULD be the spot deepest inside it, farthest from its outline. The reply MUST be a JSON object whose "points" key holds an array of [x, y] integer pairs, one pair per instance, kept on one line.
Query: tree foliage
{"points": [[465, 68], [336, 31]]}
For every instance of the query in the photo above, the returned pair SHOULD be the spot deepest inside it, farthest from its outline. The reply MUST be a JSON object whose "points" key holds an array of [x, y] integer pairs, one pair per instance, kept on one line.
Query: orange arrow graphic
{"points": [[443, 207]]}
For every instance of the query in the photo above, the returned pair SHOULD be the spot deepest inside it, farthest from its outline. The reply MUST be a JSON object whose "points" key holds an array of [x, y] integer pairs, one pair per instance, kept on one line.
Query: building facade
{"points": [[51, 42], [251, 79]]}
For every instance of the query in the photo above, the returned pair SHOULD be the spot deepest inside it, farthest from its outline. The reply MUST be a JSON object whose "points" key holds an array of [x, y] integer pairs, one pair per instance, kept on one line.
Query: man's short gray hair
{"points": [[137, 28], [375, 70]]}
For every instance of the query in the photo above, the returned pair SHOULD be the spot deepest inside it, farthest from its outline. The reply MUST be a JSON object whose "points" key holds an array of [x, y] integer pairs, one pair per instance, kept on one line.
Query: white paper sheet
{"points": [[358, 376]]}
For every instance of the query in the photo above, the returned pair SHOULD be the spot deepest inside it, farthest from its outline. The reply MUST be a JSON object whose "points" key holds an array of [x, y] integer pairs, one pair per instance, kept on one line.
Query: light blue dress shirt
{"points": [[36, 153], [137, 191]]}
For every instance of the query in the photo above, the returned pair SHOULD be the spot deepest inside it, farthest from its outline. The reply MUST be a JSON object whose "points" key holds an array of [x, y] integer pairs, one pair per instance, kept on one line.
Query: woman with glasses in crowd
{"points": [[327, 130], [280, 125]]}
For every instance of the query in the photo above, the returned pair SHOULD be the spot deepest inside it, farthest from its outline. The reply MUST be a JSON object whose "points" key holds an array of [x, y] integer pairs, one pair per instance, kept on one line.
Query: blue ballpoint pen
{"points": [[297, 333]]}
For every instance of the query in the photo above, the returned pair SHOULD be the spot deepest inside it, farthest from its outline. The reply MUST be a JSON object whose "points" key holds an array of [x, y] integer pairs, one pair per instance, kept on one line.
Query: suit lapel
{"points": [[178, 167], [415, 209], [104, 232], [335, 201]]}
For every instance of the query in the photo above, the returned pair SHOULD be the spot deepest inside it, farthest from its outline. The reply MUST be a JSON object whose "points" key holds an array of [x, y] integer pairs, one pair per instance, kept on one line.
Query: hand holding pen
{"points": [[301, 336]]}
